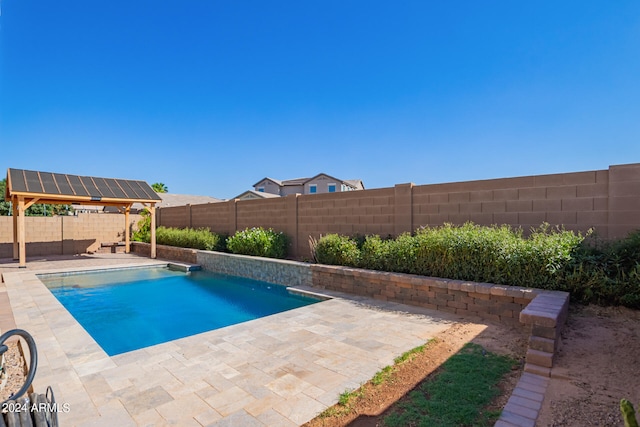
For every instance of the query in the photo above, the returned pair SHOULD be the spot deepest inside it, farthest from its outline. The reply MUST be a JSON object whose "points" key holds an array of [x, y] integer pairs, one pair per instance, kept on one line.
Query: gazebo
{"points": [[25, 187]]}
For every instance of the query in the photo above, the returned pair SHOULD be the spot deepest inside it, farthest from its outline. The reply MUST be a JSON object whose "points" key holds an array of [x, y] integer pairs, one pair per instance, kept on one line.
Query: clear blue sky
{"points": [[210, 96]]}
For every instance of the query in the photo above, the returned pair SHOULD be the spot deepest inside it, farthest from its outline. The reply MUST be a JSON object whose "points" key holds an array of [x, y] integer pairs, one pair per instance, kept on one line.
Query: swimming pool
{"points": [[133, 308]]}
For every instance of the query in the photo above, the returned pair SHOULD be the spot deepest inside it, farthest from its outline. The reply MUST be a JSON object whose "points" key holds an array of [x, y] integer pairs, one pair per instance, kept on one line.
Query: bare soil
{"points": [[597, 365], [368, 410]]}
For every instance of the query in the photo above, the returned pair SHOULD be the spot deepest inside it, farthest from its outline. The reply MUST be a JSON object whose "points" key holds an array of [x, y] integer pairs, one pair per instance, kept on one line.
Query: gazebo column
{"points": [[152, 210], [14, 213], [127, 229], [22, 234]]}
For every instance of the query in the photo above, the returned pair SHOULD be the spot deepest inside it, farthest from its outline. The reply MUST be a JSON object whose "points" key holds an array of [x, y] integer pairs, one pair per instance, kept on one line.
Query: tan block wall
{"points": [[214, 216], [624, 199], [176, 216], [65, 235], [354, 212], [267, 213], [607, 200], [576, 200]]}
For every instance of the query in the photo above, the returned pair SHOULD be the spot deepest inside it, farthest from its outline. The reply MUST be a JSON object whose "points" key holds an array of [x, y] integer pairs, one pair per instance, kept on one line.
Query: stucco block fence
{"points": [[543, 312]]}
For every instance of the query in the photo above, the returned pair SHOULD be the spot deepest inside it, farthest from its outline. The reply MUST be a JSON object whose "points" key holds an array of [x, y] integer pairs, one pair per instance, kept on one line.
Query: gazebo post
{"points": [[127, 239], [152, 209], [14, 212], [22, 234]]}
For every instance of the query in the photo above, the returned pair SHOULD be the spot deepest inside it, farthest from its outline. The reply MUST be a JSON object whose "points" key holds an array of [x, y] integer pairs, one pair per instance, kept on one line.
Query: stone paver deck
{"points": [[281, 370]]}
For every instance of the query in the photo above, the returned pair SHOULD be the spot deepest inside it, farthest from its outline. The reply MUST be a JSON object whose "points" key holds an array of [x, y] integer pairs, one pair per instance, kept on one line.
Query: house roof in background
{"points": [[355, 183], [249, 194], [50, 187], [275, 181], [295, 181], [170, 199]]}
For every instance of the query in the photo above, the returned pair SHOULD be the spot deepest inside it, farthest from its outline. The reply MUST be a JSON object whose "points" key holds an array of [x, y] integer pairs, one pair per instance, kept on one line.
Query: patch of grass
{"points": [[408, 355], [382, 375], [345, 402], [466, 384], [385, 373], [346, 398]]}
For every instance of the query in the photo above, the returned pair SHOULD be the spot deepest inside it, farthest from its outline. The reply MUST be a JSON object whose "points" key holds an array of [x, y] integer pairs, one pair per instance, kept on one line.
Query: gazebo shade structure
{"points": [[25, 187]]}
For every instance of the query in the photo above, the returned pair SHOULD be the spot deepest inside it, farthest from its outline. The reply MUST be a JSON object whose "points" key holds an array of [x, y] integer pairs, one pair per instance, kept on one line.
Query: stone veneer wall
{"points": [[282, 272]]}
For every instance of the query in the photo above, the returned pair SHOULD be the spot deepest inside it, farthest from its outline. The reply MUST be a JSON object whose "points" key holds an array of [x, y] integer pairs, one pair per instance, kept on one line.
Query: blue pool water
{"points": [[128, 309]]}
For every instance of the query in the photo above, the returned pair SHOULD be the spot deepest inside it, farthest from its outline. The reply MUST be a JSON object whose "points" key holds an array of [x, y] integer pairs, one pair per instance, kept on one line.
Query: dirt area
{"points": [[368, 411], [598, 364]]}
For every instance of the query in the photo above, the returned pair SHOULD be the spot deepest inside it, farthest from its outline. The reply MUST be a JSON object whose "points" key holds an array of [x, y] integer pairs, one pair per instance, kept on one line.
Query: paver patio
{"points": [[281, 370]]}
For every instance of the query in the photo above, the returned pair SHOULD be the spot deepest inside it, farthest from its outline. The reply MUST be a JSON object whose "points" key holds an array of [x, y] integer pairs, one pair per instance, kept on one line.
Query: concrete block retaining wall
{"points": [[486, 300]]}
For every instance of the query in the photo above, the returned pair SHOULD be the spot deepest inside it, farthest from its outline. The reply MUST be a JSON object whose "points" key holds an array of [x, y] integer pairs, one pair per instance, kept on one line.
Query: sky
{"points": [[210, 96]]}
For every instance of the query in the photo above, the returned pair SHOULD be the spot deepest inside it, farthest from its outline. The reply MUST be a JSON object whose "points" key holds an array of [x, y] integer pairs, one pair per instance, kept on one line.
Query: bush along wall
{"points": [[549, 258], [257, 241], [201, 238], [254, 241]]}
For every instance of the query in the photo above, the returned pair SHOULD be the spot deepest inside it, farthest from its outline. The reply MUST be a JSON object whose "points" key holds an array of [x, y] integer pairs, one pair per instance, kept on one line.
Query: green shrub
{"points": [[337, 250], [606, 273], [258, 242], [374, 254], [143, 228], [189, 238]]}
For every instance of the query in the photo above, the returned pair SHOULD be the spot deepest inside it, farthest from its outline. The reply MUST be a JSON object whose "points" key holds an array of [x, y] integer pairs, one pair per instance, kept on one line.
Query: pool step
{"points": [[184, 267], [308, 294]]}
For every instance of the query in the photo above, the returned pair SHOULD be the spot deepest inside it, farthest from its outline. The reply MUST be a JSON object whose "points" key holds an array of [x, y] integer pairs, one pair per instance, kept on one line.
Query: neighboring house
{"points": [[321, 183]]}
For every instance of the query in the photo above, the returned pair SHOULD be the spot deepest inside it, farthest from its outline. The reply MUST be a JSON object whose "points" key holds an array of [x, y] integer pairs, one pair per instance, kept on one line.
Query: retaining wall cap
{"points": [[440, 284], [468, 286], [499, 290], [455, 285], [484, 288]]}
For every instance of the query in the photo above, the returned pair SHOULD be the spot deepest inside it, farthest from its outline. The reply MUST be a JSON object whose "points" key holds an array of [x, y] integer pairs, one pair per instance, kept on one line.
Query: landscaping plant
{"points": [[337, 250], [548, 258], [143, 231], [257, 241], [201, 238], [628, 413]]}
